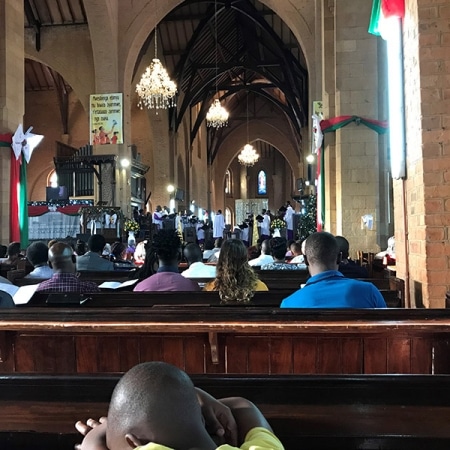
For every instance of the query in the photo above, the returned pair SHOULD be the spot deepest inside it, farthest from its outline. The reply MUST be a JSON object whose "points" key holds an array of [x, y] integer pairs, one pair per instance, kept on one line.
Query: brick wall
{"points": [[427, 101]]}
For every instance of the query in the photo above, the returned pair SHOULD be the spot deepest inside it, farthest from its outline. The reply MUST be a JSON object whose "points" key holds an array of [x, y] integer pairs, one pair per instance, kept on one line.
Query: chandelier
{"points": [[217, 116], [156, 89], [248, 155]]}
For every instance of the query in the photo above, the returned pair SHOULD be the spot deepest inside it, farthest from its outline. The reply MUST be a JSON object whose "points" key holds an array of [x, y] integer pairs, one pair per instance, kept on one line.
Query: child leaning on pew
{"points": [[155, 406]]}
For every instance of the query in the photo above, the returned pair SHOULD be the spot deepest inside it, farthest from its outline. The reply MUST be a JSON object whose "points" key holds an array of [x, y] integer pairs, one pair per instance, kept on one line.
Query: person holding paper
{"points": [[62, 260]]}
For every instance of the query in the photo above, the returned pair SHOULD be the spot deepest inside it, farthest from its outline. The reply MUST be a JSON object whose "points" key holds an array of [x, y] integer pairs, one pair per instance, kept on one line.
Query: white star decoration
{"points": [[25, 142]]}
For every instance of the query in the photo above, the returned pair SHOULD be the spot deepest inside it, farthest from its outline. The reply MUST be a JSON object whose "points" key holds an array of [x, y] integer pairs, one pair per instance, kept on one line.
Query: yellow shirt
{"points": [[257, 439], [260, 286]]}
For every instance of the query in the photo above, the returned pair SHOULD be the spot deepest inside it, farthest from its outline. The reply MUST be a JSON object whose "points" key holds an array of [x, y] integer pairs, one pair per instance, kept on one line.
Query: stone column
{"points": [[356, 149], [11, 94], [243, 182]]}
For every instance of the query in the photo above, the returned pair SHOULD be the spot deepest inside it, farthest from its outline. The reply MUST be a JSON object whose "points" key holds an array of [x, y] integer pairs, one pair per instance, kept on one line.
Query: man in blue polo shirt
{"points": [[327, 287]]}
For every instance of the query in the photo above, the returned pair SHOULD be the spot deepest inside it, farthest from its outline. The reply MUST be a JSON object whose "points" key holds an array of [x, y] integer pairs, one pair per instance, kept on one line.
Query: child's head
{"points": [[154, 402]]}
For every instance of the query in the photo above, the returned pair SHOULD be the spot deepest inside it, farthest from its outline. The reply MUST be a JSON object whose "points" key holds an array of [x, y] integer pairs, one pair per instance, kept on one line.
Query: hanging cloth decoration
{"points": [[22, 145], [320, 127]]}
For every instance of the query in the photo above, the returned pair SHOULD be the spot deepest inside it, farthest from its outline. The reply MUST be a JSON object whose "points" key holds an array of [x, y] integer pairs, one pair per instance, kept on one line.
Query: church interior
{"points": [[238, 106], [270, 64]]}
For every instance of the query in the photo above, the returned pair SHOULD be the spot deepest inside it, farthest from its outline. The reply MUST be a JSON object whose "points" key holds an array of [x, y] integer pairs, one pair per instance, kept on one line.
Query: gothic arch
{"points": [[143, 24], [261, 130], [76, 69]]}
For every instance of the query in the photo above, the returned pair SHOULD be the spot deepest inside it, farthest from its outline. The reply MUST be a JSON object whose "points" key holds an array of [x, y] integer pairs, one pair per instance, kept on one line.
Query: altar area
{"points": [[48, 221]]}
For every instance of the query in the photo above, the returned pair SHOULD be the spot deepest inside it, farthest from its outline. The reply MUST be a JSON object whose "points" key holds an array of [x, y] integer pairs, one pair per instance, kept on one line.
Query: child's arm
{"points": [[246, 414], [219, 419]]}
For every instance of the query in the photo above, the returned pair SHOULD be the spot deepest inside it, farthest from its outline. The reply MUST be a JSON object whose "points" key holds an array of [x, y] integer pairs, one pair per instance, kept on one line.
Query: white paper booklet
{"points": [[117, 284], [21, 295]]}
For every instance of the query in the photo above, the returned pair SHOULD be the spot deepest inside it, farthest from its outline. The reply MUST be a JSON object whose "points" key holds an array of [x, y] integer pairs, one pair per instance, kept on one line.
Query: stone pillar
{"points": [[11, 94], [356, 149], [243, 185]]}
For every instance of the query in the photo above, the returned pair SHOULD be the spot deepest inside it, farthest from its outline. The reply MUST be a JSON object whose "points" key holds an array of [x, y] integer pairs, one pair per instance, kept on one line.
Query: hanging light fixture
{"points": [[156, 89], [217, 115], [248, 155]]}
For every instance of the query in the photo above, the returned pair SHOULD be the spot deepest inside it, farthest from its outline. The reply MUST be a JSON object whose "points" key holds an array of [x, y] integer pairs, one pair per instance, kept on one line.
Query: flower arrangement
{"points": [[277, 223], [131, 225]]}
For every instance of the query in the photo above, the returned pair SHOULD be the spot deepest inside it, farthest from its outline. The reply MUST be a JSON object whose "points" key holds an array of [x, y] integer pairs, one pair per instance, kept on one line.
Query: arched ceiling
{"points": [[226, 48]]}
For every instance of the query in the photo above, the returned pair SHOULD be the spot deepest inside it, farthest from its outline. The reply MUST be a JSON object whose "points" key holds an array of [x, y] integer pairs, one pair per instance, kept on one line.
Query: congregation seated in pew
{"points": [[278, 250], [37, 255], [196, 268], [235, 280], [347, 266], [118, 257], [92, 259], [327, 287], [265, 257], [268, 279], [160, 269], [62, 260]]}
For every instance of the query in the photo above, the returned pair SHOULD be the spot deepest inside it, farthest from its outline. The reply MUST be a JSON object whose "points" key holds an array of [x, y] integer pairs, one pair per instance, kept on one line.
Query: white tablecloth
{"points": [[53, 225]]}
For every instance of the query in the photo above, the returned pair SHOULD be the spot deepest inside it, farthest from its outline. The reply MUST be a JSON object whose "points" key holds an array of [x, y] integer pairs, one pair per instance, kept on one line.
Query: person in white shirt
{"points": [[297, 252], [244, 233], [289, 219], [218, 225], [265, 257], [200, 229], [265, 225], [196, 269], [37, 254]]}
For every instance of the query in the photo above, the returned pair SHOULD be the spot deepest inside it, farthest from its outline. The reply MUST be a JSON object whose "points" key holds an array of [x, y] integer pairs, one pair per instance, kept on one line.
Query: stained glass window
{"points": [[262, 183]]}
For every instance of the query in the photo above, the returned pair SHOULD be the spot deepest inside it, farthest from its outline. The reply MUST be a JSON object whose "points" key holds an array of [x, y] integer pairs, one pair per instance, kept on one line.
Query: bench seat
{"points": [[314, 412]]}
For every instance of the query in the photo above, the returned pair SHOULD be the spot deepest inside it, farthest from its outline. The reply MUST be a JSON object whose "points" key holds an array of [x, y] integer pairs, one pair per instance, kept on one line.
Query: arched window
{"points": [[262, 183], [52, 179], [228, 183], [228, 215]]}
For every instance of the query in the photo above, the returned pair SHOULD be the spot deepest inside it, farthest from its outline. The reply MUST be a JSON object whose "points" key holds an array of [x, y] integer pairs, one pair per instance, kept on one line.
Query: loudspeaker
{"points": [[179, 195], [300, 184]]}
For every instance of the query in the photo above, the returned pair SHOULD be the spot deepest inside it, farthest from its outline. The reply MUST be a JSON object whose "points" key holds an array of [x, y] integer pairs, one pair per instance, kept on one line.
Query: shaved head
{"points": [[193, 253], [156, 402], [61, 258], [322, 251]]}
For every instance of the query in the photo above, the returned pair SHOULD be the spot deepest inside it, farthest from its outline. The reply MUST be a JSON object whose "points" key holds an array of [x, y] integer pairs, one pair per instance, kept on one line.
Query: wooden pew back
{"points": [[314, 412], [217, 339]]}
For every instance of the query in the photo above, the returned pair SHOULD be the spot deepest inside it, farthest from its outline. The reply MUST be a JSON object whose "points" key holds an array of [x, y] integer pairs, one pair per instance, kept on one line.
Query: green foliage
{"points": [[308, 220]]}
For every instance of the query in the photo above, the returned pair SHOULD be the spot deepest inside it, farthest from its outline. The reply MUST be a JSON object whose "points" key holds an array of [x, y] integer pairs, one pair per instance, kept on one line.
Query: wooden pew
{"points": [[313, 412], [126, 298], [17, 277], [120, 298], [283, 279], [216, 339], [5, 268]]}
